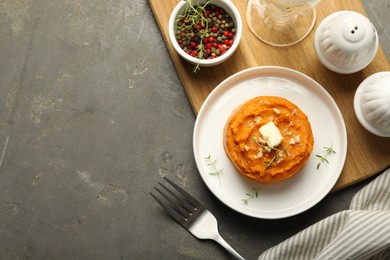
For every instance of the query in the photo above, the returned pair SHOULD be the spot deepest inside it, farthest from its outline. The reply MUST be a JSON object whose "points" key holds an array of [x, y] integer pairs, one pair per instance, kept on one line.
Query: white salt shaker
{"points": [[372, 103], [346, 42]]}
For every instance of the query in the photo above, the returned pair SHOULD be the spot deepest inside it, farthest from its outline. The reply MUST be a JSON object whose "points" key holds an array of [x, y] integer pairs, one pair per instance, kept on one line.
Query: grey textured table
{"points": [[92, 114]]}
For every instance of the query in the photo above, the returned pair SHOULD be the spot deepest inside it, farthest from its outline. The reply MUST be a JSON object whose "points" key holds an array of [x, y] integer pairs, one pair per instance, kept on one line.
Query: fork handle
{"points": [[230, 249]]}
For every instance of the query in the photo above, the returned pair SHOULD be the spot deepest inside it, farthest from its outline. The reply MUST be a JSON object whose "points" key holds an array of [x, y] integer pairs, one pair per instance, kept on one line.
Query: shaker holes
{"points": [[355, 29]]}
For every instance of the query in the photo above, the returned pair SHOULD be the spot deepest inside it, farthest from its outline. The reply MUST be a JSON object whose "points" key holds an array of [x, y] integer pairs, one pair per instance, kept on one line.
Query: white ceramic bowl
{"points": [[346, 42], [230, 8], [372, 104]]}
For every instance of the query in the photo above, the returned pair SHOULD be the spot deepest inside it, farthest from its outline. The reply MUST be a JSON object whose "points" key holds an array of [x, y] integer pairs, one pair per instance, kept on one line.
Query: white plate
{"points": [[302, 191]]}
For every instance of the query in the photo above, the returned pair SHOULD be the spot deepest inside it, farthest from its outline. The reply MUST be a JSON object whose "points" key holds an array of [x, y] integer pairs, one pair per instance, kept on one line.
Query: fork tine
{"points": [[176, 216], [190, 199], [177, 205], [179, 199], [180, 205]]}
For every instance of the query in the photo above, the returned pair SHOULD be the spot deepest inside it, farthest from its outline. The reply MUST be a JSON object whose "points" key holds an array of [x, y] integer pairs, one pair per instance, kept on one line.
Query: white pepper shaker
{"points": [[346, 42], [372, 103]]}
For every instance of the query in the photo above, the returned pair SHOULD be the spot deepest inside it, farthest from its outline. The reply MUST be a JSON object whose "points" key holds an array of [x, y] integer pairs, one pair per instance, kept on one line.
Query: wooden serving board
{"points": [[366, 155]]}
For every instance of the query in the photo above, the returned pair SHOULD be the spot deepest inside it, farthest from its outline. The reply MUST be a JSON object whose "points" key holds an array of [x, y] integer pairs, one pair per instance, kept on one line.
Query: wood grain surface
{"points": [[366, 155]]}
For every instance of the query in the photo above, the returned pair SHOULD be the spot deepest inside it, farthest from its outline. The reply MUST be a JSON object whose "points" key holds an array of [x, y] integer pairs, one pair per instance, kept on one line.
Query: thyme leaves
{"points": [[323, 158], [250, 196], [213, 165]]}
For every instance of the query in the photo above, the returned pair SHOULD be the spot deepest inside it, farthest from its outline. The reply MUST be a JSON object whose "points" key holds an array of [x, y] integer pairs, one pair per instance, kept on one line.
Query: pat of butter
{"points": [[271, 134]]}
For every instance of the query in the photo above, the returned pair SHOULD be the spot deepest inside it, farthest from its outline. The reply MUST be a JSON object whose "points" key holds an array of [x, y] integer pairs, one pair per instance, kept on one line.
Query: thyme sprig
{"points": [[323, 158], [250, 196], [278, 155], [213, 164], [279, 152]]}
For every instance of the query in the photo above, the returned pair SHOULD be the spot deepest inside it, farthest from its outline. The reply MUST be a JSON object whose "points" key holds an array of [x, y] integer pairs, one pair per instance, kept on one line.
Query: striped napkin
{"points": [[362, 232]]}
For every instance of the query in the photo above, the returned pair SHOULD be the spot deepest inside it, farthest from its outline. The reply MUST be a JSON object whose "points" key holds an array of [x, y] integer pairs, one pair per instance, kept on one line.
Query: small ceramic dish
{"points": [[346, 42], [372, 104], [229, 7]]}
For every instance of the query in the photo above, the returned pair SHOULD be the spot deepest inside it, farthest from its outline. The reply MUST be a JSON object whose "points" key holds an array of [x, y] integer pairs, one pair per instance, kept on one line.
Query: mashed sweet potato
{"points": [[250, 151]]}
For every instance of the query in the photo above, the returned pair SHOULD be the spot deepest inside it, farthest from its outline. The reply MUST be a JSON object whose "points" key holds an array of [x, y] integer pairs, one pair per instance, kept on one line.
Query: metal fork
{"points": [[191, 214]]}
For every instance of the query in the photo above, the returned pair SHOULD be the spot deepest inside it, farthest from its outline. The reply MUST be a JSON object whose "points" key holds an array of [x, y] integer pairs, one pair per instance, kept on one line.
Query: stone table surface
{"points": [[92, 115]]}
